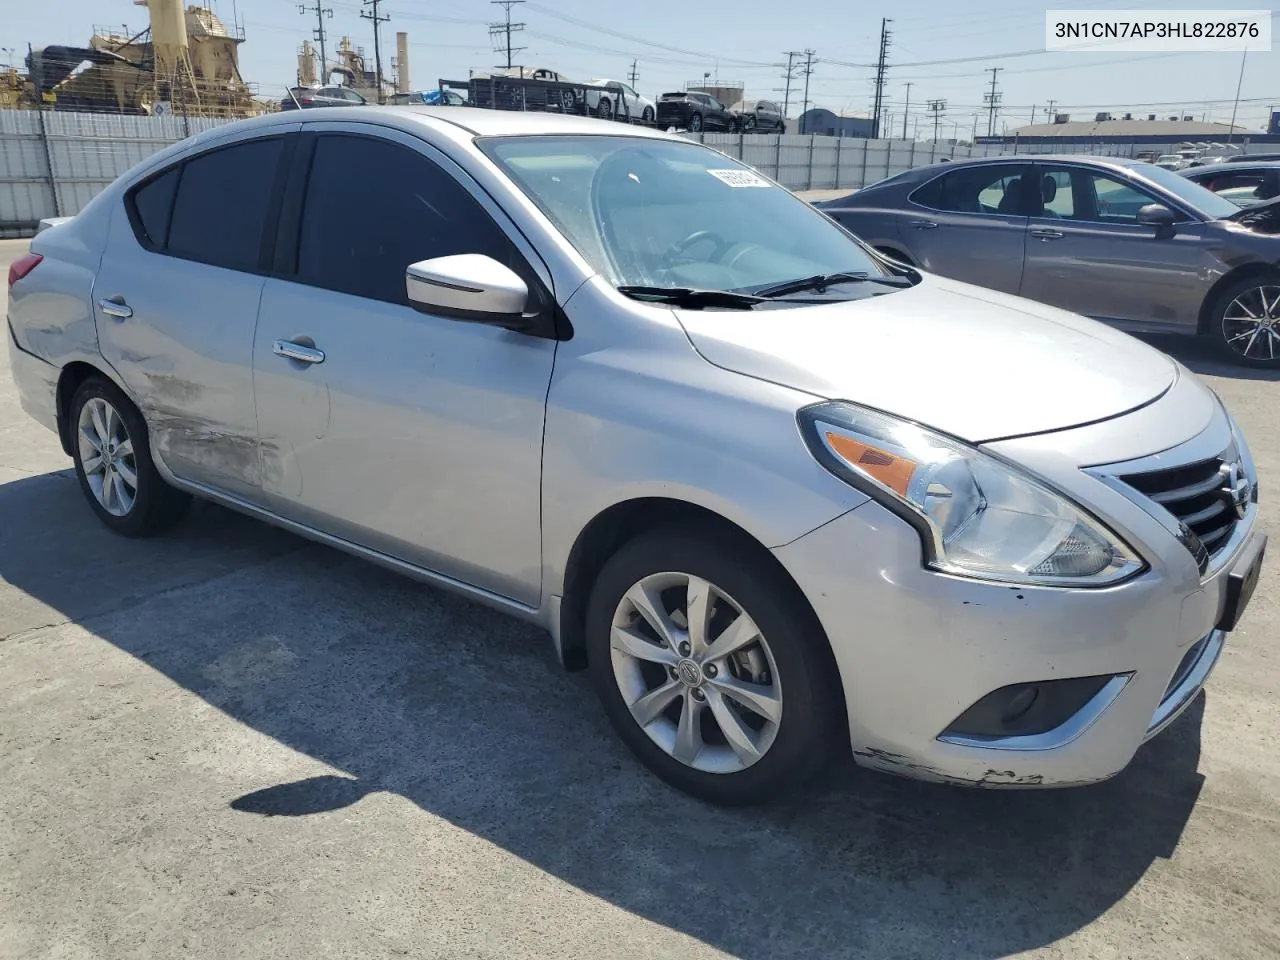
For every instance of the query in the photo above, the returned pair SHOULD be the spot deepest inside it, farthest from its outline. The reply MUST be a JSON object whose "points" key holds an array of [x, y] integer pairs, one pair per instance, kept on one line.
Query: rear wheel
{"points": [[695, 123], [604, 109], [711, 668], [1245, 321], [113, 463]]}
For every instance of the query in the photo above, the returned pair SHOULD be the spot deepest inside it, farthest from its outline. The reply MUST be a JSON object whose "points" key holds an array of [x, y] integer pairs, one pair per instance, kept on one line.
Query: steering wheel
{"points": [[677, 249]]}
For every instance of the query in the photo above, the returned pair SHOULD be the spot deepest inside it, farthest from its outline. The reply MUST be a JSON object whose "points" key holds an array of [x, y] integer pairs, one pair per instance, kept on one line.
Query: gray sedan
{"points": [[1118, 240]]}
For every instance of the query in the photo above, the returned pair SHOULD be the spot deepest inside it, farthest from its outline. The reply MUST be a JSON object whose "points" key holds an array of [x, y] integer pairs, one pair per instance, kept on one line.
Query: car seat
{"points": [[1048, 190]]}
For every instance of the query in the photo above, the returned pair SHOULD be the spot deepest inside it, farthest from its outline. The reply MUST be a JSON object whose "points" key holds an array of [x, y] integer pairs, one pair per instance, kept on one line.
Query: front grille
{"points": [[1197, 494]]}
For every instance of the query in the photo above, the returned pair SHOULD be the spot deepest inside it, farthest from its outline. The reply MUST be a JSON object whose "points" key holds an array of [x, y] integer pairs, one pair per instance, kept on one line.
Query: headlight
{"points": [[978, 516]]}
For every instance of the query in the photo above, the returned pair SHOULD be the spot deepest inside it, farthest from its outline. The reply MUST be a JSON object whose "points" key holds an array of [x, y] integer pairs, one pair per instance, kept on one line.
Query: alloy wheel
{"points": [[695, 122], [107, 458], [695, 672], [1251, 323]]}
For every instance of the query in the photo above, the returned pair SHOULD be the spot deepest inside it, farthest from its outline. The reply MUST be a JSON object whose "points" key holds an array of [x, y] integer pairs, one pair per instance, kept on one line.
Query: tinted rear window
{"points": [[152, 204], [221, 207]]}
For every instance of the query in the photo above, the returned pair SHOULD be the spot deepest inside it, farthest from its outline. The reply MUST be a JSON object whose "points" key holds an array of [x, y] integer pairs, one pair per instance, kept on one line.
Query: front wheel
{"points": [[1245, 322], [604, 109], [647, 116], [113, 463], [712, 669]]}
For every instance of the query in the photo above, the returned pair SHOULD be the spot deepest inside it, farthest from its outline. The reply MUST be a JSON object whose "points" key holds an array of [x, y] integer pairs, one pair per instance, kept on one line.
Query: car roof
{"points": [[1235, 167], [468, 120]]}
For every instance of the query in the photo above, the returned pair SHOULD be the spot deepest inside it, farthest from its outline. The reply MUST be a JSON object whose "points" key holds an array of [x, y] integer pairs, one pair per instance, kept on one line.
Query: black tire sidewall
{"points": [[1216, 318], [811, 718], [156, 503], [647, 115]]}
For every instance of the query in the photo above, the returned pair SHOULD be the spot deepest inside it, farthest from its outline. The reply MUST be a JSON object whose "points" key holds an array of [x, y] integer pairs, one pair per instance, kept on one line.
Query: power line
{"points": [[378, 20], [881, 67], [319, 32], [506, 28]]}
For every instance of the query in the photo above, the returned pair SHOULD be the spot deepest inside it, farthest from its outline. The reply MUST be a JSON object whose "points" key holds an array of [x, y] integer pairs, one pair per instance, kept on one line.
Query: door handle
{"points": [[297, 351], [116, 307], [1048, 234], [924, 224]]}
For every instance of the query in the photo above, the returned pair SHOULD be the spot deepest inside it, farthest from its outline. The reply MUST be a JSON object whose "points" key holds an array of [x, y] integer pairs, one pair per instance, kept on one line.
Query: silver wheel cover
{"points": [[107, 458], [695, 672]]}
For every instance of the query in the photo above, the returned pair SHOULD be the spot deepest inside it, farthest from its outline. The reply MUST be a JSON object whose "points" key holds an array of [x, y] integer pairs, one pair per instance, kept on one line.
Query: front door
{"points": [[177, 296], [969, 224], [1087, 252], [415, 435]]}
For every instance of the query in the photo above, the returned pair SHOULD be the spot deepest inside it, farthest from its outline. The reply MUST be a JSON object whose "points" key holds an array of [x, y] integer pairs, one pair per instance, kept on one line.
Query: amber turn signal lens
{"points": [[888, 469]]}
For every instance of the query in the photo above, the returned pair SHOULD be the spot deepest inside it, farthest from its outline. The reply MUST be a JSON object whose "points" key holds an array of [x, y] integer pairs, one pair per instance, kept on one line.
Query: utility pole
{"points": [[906, 111], [992, 101], [506, 28], [1033, 115], [789, 76], [808, 69], [1236, 106], [633, 76], [1048, 116], [318, 33], [881, 66], [936, 107], [377, 41], [973, 137]]}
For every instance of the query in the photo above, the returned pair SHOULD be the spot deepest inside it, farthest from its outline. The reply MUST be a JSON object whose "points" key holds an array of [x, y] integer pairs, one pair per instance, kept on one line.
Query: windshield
{"points": [[1188, 191], [658, 213]]}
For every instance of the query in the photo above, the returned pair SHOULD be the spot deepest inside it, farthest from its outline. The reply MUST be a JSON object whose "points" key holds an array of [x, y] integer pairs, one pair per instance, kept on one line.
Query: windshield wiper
{"points": [[689, 297], [824, 280]]}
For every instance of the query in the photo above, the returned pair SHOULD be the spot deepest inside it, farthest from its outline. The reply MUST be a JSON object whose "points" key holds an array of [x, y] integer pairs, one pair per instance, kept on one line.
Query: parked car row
{"points": [[1129, 243]]}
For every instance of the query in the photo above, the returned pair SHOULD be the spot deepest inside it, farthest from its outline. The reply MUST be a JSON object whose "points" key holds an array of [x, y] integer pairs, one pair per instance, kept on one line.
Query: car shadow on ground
{"points": [[1202, 357], [463, 711]]}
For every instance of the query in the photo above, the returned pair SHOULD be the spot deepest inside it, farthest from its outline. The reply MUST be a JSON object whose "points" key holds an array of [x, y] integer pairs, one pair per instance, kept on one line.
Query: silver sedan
{"points": [[783, 497], [1133, 244]]}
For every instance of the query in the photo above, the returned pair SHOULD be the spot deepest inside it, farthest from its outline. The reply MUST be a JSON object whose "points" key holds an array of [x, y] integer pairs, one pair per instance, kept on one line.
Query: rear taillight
{"points": [[22, 266]]}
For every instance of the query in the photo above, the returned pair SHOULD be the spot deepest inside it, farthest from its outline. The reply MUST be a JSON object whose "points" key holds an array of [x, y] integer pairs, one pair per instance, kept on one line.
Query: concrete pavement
{"points": [[230, 743]]}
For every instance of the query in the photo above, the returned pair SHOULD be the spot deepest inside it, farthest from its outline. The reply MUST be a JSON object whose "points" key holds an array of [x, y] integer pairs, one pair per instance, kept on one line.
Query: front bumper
{"points": [[916, 649]]}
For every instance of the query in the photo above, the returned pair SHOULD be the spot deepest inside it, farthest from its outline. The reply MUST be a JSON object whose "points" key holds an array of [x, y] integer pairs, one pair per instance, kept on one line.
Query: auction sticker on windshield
{"points": [[739, 178]]}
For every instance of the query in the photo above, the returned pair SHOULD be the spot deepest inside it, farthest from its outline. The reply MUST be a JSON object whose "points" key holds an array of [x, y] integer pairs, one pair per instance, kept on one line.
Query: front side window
{"points": [[221, 205], [360, 232], [646, 212]]}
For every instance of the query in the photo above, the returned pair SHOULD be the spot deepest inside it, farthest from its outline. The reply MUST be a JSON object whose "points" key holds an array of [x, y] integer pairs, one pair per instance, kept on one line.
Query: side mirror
{"points": [[468, 286], [1159, 216]]}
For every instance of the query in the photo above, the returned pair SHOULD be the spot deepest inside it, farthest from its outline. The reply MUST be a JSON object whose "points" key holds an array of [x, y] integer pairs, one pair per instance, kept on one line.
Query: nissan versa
{"points": [[783, 497]]}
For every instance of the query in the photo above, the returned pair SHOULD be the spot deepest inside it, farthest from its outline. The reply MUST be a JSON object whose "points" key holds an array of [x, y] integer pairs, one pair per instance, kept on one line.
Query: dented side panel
{"points": [[185, 357]]}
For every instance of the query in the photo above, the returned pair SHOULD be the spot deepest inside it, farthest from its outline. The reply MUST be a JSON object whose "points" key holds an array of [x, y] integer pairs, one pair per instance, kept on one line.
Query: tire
{"points": [[1233, 330], [695, 123], [604, 109], [148, 505], [793, 657], [647, 115]]}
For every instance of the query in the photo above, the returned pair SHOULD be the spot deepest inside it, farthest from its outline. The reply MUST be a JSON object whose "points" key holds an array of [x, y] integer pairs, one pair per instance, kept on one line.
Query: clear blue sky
{"points": [[675, 41]]}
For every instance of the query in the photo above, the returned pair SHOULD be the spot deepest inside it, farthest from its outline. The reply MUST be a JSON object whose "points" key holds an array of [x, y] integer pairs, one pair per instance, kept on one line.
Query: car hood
{"points": [[974, 363]]}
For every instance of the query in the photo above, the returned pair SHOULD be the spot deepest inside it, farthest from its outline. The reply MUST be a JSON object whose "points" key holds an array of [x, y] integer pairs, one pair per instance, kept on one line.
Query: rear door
{"points": [[416, 435], [970, 224], [176, 298], [1087, 252]]}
